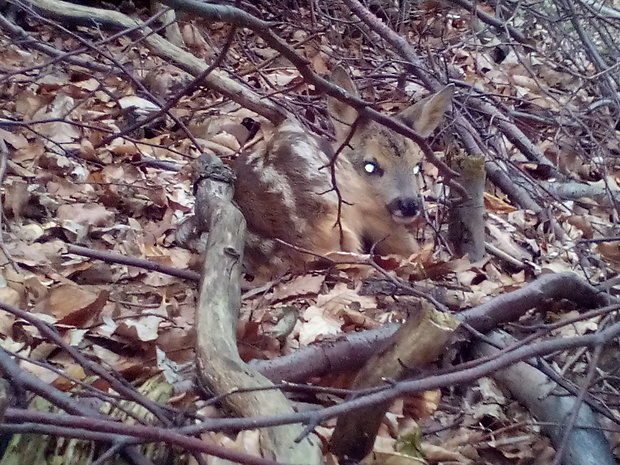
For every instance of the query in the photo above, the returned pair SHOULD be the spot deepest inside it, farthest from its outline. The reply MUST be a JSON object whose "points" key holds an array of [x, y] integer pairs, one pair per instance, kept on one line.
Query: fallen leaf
{"points": [[496, 204], [17, 141], [610, 250], [298, 286], [10, 296], [72, 305], [340, 296]]}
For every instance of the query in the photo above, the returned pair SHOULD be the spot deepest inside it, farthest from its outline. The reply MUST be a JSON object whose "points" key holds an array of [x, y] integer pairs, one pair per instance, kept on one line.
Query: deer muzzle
{"points": [[404, 209]]}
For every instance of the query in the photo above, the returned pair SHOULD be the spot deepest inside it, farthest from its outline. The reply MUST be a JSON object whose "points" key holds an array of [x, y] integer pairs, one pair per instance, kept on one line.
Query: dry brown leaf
{"points": [[610, 250], [247, 441], [10, 296], [65, 188], [159, 279], [62, 165], [496, 204], [41, 372], [88, 152], [319, 63], [578, 328], [75, 336], [75, 371], [179, 342], [391, 458], [180, 258], [72, 305], [27, 103], [438, 454], [351, 317], [144, 329], [582, 224], [307, 284], [57, 132], [37, 254], [389, 262], [515, 447], [29, 232], [130, 367], [16, 197], [140, 105], [193, 38], [17, 141], [506, 238], [91, 273], [556, 267], [340, 296], [284, 77], [32, 151], [229, 141], [14, 59], [87, 84]]}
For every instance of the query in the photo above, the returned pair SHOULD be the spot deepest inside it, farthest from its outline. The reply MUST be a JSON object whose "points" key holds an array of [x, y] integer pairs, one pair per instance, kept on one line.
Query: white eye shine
{"points": [[417, 169], [370, 167]]}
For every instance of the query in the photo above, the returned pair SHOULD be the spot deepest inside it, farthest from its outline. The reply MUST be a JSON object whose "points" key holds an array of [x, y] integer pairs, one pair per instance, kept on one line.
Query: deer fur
{"points": [[285, 191]]}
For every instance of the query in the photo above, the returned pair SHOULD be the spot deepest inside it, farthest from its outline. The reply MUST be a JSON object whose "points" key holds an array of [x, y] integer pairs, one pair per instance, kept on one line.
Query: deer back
{"points": [[285, 193]]}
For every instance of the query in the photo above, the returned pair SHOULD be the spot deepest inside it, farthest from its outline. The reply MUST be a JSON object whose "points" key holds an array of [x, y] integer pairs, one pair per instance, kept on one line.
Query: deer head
{"points": [[385, 161]]}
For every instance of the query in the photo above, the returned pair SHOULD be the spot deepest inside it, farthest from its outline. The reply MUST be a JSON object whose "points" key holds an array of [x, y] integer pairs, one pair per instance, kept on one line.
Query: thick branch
{"points": [[466, 227], [416, 344], [551, 405], [352, 350], [220, 367]]}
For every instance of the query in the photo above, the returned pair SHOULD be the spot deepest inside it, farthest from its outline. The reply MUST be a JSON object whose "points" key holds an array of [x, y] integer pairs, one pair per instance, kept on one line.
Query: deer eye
{"points": [[417, 169], [372, 167]]}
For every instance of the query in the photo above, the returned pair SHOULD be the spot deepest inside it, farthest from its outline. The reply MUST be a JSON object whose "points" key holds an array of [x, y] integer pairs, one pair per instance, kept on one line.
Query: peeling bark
{"points": [[420, 341], [466, 227]]}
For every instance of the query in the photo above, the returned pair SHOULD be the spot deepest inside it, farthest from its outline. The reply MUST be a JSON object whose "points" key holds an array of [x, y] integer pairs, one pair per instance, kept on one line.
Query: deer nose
{"points": [[404, 207]]}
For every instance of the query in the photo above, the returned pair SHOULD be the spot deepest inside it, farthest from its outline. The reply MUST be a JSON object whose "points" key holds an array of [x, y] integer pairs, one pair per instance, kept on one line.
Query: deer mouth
{"points": [[399, 218], [404, 210]]}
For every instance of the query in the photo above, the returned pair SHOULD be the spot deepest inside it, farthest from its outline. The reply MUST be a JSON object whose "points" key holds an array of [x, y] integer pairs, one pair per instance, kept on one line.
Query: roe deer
{"points": [[285, 191]]}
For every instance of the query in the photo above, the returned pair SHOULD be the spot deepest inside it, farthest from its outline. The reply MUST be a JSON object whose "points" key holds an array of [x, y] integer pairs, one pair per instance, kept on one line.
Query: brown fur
{"points": [[285, 191]]}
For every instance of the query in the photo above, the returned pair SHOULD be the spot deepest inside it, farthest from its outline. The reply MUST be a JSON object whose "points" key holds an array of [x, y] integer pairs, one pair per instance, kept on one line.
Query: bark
{"points": [[220, 368], [169, 19], [344, 354], [511, 306], [605, 194], [6, 397]]}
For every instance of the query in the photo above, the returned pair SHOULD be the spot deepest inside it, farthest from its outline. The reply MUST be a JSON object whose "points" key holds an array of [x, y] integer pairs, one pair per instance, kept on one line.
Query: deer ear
{"points": [[424, 116], [342, 115]]}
